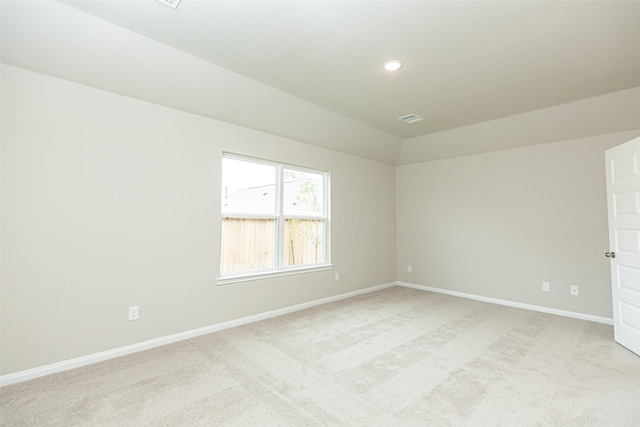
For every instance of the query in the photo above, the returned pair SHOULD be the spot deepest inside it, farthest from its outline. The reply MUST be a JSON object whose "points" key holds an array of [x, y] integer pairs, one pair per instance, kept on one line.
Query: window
{"points": [[275, 219]]}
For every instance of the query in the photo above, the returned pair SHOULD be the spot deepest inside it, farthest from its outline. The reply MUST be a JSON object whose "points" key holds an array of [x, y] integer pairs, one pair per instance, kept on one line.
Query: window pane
{"points": [[303, 193], [303, 241], [248, 187], [247, 244]]}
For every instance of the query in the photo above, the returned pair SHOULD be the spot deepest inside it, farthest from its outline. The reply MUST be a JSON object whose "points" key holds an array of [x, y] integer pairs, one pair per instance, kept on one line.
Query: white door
{"points": [[623, 200]]}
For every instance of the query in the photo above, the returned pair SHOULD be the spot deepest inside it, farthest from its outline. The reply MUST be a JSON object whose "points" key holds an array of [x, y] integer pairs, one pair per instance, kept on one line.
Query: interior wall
{"points": [[110, 202], [499, 224]]}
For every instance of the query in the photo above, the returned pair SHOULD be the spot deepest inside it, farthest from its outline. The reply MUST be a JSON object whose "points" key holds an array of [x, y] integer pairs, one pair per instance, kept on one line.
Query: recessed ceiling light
{"points": [[392, 65]]}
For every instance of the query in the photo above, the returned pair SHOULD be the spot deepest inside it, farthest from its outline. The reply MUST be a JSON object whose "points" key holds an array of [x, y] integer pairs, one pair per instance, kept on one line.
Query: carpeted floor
{"points": [[397, 357]]}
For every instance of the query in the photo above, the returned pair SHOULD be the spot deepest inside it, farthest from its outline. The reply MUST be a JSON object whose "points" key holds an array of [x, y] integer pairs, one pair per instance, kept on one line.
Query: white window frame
{"points": [[280, 218]]}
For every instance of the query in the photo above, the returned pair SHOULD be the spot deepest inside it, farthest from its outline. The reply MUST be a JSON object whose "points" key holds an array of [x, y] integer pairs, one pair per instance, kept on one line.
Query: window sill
{"points": [[268, 275]]}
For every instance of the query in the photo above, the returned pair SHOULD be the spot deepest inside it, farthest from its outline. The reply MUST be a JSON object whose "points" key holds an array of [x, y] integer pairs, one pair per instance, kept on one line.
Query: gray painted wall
{"points": [[499, 224], [109, 202]]}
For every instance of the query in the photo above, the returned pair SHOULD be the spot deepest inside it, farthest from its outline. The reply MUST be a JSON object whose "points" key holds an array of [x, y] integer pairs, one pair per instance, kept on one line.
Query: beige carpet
{"points": [[397, 357]]}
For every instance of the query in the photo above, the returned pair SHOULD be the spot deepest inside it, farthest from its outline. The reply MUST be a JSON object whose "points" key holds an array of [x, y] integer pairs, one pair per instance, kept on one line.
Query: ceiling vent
{"points": [[171, 3], [411, 118]]}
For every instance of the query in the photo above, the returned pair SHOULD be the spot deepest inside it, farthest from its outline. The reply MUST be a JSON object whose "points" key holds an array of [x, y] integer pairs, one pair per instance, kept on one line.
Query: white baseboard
{"points": [[581, 316], [65, 365]]}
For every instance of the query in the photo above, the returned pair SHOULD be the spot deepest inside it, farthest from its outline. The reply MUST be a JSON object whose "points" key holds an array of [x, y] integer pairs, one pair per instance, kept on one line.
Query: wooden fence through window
{"points": [[249, 244]]}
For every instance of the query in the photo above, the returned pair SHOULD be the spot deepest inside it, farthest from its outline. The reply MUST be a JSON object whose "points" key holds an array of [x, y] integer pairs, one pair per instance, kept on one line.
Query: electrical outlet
{"points": [[546, 286], [574, 290], [337, 277], [134, 312], [409, 268]]}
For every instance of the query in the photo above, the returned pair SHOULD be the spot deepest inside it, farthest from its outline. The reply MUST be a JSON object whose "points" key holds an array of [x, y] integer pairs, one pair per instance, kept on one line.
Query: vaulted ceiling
{"points": [[465, 62]]}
